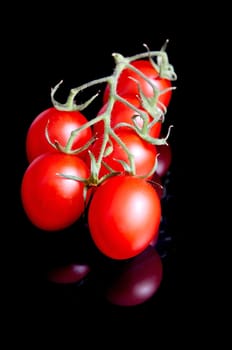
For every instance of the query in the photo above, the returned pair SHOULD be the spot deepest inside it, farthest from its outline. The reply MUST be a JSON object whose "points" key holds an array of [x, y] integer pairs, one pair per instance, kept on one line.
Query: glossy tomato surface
{"points": [[124, 216], [51, 201], [59, 126]]}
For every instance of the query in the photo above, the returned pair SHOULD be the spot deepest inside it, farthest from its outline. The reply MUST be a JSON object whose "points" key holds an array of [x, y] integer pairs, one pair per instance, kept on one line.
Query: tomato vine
{"points": [[150, 106]]}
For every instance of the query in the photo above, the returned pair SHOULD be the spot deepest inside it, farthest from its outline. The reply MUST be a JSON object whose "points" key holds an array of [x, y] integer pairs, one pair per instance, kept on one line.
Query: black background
{"points": [[47, 46]]}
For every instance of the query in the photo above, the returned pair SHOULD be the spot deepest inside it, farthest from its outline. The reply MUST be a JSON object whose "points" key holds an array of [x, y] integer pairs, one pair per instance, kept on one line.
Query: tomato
{"points": [[124, 216], [60, 126], [144, 153], [164, 159], [122, 113], [128, 86], [51, 201], [137, 280], [156, 182]]}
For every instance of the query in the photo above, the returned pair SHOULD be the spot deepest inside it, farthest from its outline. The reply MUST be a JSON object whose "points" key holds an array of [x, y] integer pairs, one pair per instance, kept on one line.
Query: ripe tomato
{"points": [[128, 86], [144, 153], [122, 113], [164, 159], [137, 280], [156, 182], [60, 126], [124, 216], [50, 201]]}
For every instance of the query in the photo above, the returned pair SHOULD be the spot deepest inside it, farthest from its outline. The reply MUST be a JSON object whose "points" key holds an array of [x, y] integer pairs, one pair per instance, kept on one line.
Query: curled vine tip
{"points": [[55, 88], [117, 57], [146, 47], [164, 47]]}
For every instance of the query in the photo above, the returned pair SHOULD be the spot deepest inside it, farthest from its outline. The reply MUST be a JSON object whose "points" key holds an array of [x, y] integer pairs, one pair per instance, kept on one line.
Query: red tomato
{"points": [[136, 281], [61, 124], [128, 86], [156, 182], [50, 201], [164, 159], [144, 153], [122, 113], [124, 216]]}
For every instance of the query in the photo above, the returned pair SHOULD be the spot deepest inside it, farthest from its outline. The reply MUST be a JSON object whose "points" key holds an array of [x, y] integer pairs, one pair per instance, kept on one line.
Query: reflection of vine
{"points": [[150, 105]]}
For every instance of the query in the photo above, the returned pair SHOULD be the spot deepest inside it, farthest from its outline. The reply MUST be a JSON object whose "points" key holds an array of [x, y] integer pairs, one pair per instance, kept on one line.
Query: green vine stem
{"points": [[150, 105]]}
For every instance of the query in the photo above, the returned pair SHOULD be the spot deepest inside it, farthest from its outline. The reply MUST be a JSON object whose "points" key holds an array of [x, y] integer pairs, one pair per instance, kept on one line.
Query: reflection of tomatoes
{"points": [[122, 113], [137, 280], [71, 273]]}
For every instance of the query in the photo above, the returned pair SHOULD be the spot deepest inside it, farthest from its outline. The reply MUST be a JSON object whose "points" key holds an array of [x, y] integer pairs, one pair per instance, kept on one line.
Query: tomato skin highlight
{"points": [[60, 126], [124, 216], [50, 201]]}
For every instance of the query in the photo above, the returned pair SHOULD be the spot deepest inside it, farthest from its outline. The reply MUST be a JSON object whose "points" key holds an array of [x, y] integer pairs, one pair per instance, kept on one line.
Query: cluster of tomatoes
{"points": [[108, 168]]}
